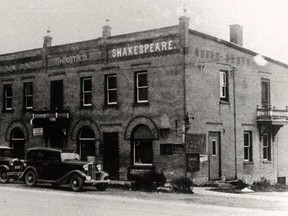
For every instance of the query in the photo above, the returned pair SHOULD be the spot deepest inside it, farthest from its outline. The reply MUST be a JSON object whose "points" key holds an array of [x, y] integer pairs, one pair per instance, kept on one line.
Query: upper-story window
{"points": [[56, 94], [248, 146], [111, 89], [28, 95], [86, 92], [141, 87], [265, 93], [7, 102], [224, 93]]}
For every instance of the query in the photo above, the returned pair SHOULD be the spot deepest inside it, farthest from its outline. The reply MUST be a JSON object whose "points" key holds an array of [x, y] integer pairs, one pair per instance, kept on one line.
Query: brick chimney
{"points": [[106, 30], [236, 34], [184, 32], [47, 40]]}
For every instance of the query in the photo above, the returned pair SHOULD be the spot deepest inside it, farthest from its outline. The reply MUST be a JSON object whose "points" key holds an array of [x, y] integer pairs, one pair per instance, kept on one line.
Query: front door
{"points": [[111, 154], [214, 155]]}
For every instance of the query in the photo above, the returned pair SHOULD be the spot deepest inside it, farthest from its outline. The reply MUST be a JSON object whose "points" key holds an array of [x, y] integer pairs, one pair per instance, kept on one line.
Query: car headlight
{"points": [[99, 167], [11, 163], [88, 178], [85, 167]]}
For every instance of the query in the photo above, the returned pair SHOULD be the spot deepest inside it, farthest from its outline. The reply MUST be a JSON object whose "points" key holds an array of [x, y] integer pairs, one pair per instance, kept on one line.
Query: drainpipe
{"points": [[233, 73]]}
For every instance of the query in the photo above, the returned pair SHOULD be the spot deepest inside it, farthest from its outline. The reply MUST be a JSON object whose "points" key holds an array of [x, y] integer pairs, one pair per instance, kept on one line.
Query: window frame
{"points": [[266, 148], [84, 92], [135, 163], [224, 85], [5, 97], [108, 90], [26, 96], [137, 88], [249, 146], [214, 152], [265, 93]]}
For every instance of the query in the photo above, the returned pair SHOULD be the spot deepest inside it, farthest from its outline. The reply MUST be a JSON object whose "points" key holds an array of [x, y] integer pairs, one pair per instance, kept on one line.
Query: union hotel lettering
{"points": [[79, 58], [17, 67], [139, 49]]}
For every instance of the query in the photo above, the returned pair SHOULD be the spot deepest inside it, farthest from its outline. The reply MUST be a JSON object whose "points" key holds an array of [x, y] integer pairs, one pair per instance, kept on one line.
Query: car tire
{"points": [[3, 176], [102, 187], [30, 178], [76, 183]]}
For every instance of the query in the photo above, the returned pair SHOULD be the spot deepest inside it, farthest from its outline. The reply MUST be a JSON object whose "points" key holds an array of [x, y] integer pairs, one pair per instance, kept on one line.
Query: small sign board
{"points": [[37, 131], [193, 162], [196, 143]]}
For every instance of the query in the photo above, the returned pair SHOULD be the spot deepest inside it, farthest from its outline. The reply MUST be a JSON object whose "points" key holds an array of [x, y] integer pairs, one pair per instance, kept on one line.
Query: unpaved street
{"points": [[20, 200]]}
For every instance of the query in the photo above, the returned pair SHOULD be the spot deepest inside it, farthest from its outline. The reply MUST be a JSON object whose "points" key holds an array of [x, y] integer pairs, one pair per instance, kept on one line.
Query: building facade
{"points": [[171, 100]]}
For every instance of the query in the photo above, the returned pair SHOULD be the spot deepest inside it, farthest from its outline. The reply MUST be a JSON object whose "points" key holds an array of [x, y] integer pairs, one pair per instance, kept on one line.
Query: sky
{"points": [[23, 23]]}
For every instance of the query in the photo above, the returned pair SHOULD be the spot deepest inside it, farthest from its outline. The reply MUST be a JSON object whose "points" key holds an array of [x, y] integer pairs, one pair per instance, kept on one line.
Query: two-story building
{"points": [[172, 100]]}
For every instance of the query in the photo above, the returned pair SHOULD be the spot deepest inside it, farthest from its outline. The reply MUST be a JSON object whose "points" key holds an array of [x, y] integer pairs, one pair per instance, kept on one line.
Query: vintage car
{"points": [[54, 166], [10, 167]]}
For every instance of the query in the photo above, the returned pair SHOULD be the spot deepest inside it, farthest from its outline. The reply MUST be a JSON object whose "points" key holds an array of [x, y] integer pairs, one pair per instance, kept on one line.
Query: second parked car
{"points": [[58, 167]]}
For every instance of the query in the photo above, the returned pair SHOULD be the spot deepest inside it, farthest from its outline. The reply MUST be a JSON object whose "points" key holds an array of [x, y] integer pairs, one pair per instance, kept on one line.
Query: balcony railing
{"points": [[48, 114], [272, 114]]}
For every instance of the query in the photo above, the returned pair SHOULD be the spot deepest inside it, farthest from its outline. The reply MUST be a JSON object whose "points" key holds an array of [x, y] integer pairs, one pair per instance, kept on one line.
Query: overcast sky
{"points": [[23, 23]]}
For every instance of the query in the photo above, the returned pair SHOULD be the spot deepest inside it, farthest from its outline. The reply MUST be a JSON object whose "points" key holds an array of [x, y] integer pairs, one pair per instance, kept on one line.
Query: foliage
{"points": [[182, 184], [239, 184], [148, 181], [264, 185]]}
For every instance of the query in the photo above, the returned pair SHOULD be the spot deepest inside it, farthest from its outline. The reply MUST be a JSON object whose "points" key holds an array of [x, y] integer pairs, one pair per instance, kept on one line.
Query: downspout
{"points": [[233, 73]]}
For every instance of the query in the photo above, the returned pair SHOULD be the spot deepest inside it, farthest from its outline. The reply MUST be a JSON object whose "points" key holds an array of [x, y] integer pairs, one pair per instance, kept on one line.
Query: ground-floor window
{"points": [[17, 142], [142, 146], [248, 146], [266, 147], [86, 143]]}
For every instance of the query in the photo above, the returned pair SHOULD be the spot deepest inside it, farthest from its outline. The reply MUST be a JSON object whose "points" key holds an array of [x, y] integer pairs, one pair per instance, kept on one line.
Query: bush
{"points": [[182, 184], [239, 184], [148, 181], [262, 185]]}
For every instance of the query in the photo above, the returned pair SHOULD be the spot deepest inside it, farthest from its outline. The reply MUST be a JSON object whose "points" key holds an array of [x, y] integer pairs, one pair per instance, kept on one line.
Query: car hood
{"points": [[7, 158], [76, 162]]}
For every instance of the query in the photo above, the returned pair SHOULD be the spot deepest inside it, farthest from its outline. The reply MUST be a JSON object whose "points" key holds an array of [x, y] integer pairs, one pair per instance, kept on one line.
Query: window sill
{"points": [[267, 162], [141, 104], [7, 111], [107, 106], [224, 102], [142, 166], [248, 162], [86, 107]]}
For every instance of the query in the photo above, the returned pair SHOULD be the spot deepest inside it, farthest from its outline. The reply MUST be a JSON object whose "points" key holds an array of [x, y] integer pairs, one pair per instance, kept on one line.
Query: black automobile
{"points": [[54, 166], [10, 167]]}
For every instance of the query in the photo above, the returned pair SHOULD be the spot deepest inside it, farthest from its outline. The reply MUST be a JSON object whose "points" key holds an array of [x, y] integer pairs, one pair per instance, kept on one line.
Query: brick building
{"points": [[170, 99]]}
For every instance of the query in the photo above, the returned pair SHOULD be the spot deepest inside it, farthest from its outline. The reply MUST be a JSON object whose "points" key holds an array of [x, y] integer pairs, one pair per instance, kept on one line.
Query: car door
{"points": [[52, 166]]}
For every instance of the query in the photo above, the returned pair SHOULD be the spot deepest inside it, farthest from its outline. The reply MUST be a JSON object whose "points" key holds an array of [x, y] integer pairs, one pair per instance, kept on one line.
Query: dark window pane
{"points": [[87, 98], [112, 96], [143, 94], [9, 103], [112, 84], [143, 152], [246, 153], [29, 102], [87, 85], [8, 91], [142, 80]]}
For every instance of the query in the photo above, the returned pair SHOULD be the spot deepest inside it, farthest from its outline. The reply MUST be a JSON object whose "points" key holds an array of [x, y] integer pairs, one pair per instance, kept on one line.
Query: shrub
{"points": [[262, 185], [239, 184], [149, 181], [182, 184]]}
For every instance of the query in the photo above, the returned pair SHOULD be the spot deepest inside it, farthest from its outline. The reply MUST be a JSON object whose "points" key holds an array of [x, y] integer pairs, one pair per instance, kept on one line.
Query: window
{"points": [[143, 154], [86, 92], [265, 93], [214, 148], [7, 103], [141, 88], [248, 146], [266, 147], [224, 94], [111, 89], [28, 95], [57, 97]]}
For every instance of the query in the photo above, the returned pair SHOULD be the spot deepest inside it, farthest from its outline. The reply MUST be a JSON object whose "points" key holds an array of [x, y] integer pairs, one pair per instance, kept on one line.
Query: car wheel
{"points": [[102, 187], [3, 176], [30, 178], [76, 183]]}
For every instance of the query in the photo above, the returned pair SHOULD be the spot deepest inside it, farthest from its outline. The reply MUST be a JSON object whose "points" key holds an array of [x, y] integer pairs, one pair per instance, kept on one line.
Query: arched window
{"points": [[142, 146], [17, 142], [86, 143]]}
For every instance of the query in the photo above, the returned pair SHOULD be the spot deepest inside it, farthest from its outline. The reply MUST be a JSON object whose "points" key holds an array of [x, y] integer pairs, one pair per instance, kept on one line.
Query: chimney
{"points": [[184, 31], [236, 34], [106, 30], [47, 40]]}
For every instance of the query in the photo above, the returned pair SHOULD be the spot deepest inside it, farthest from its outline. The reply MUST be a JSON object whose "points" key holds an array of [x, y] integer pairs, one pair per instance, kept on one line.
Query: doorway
{"points": [[86, 143], [111, 154], [17, 142], [214, 150]]}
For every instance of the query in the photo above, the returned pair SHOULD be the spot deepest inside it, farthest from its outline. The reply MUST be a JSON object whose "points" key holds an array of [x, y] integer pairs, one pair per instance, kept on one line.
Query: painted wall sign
{"points": [[74, 59], [139, 49], [17, 67], [38, 131]]}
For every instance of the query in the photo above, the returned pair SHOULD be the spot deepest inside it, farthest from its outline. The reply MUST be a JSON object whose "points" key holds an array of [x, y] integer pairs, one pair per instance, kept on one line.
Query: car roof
{"points": [[44, 149], [5, 147]]}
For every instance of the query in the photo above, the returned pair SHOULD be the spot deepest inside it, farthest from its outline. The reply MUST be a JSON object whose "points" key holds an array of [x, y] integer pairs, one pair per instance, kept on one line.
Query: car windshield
{"points": [[69, 156], [6, 153]]}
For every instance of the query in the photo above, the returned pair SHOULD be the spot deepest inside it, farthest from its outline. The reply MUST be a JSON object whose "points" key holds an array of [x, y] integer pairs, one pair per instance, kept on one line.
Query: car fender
{"points": [[7, 168], [26, 170], [104, 175], [65, 178]]}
